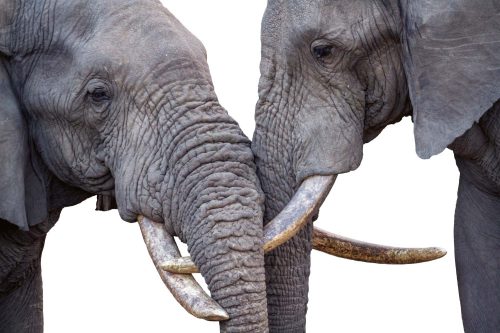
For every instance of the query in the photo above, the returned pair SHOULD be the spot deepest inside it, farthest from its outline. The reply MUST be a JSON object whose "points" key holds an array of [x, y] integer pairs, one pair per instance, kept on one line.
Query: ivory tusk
{"points": [[340, 247], [360, 251], [162, 247], [183, 265], [303, 205], [306, 202]]}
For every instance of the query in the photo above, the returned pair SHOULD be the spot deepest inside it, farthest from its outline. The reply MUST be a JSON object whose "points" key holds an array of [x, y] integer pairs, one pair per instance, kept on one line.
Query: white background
{"points": [[98, 276]]}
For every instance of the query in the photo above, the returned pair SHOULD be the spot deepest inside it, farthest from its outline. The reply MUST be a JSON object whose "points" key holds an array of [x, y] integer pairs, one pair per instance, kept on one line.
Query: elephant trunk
{"points": [[224, 238], [217, 209], [201, 183], [218, 213]]}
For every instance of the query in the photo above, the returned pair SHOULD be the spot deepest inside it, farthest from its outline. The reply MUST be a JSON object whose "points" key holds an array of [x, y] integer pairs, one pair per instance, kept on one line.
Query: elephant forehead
{"points": [[297, 20], [285, 17], [139, 36]]}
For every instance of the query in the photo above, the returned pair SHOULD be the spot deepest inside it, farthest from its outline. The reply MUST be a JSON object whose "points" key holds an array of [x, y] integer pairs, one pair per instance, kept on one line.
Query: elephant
{"points": [[334, 74], [115, 99], [136, 121]]}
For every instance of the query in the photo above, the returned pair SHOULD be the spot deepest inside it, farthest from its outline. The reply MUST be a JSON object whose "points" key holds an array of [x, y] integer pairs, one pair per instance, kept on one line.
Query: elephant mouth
{"points": [[304, 205]]}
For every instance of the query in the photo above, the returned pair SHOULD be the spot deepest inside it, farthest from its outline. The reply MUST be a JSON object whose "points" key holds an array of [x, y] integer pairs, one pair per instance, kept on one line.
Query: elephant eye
{"points": [[322, 51], [99, 95], [98, 92]]}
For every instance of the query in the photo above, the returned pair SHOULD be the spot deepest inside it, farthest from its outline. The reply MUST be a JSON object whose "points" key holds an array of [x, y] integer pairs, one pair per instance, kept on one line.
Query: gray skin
{"points": [[115, 98], [334, 74]]}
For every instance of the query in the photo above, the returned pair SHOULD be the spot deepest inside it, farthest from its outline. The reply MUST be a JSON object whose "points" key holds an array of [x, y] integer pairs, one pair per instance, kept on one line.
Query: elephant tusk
{"points": [[183, 265], [360, 251], [303, 205], [306, 202], [162, 247], [342, 247]]}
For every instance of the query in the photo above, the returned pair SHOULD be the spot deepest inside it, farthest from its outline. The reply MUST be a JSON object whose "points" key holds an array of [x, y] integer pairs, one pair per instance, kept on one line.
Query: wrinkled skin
{"points": [[333, 75], [86, 111]]}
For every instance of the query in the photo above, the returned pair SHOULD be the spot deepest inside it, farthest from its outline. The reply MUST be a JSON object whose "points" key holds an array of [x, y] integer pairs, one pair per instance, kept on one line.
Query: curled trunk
{"points": [[226, 243], [200, 182]]}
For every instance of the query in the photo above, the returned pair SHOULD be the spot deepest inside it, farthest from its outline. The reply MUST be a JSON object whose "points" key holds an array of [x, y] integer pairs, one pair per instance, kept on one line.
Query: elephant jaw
{"points": [[301, 209]]}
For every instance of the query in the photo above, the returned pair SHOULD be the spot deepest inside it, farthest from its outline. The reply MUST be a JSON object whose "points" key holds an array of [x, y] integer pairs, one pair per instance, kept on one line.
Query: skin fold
{"points": [[135, 120], [334, 74]]}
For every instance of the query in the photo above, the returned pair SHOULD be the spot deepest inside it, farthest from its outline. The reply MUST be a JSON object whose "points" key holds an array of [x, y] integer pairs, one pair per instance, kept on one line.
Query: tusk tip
{"points": [[437, 252], [162, 248], [183, 265], [216, 315], [415, 255]]}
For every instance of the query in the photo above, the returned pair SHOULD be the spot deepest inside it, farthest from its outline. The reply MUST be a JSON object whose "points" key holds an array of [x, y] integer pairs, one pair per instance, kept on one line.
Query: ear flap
{"points": [[452, 63], [23, 199]]}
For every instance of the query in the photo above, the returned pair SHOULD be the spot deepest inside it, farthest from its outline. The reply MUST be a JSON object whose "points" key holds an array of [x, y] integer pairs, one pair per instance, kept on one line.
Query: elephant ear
{"points": [[23, 190], [452, 63]]}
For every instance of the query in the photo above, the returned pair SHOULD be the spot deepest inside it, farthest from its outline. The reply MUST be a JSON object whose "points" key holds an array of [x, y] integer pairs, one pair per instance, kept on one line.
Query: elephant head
{"points": [[333, 75], [115, 98]]}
